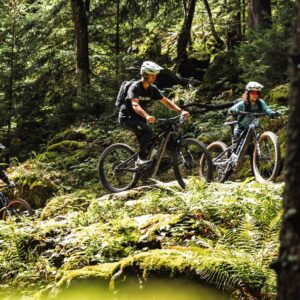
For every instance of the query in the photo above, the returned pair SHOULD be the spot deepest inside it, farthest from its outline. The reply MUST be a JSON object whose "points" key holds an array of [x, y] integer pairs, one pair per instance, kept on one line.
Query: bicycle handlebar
{"points": [[3, 186], [245, 113], [179, 118]]}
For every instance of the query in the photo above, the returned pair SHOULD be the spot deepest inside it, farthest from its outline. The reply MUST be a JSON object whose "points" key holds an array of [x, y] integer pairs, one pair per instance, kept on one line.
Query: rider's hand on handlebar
{"points": [[185, 114], [230, 118], [11, 184], [233, 113], [151, 119], [275, 114]]}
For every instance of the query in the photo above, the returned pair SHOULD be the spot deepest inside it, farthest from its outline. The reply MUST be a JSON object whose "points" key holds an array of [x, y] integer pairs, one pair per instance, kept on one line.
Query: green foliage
{"points": [[261, 57], [223, 234], [278, 95]]}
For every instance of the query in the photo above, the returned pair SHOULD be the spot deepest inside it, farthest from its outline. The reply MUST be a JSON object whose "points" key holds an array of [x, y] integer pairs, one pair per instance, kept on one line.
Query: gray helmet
{"points": [[254, 86], [149, 67]]}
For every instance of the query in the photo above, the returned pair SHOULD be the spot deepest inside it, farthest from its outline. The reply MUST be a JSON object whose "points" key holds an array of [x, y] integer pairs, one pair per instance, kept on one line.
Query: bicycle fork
{"points": [[235, 159]]}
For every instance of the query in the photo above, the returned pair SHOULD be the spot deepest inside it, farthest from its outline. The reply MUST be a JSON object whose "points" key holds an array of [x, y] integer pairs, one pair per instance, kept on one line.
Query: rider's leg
{"points": [[236, 135], [143, 132]]}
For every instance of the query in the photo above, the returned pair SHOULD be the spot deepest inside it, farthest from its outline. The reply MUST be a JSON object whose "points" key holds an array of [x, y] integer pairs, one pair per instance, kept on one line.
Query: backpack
{"points": [[123, 92]]}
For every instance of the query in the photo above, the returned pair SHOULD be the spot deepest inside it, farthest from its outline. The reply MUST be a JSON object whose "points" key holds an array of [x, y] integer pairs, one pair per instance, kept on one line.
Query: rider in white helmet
{"points": [[149, 67], [249, 102], [254, 86], [133, 115]]}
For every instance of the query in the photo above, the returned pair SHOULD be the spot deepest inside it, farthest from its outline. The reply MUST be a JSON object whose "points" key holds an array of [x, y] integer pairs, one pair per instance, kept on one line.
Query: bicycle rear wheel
{"points": [[17, 209], [219, 156], [187, 161], [266, 159], [116, 168]]}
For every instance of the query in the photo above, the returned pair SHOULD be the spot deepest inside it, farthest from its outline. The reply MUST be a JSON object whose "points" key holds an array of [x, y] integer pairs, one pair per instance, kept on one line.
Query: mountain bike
{"points": [[117, 165], [265, 158], [15, 208]]}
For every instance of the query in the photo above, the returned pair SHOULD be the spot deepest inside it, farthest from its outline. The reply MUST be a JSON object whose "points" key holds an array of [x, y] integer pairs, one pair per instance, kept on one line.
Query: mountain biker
{"points": [[250, 102], [5, 179], [3, 176], [132, 114]]}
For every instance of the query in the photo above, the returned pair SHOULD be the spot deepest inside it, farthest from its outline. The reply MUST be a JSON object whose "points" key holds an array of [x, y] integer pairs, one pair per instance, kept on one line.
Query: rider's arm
{"points": [[139, 110], [4, 177], [172, 106], [235, 109], [266, 109]]}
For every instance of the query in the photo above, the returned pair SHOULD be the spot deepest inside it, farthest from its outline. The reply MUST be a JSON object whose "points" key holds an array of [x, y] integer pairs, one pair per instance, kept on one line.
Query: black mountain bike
{"points": [[265, 159], [117, 164], [15, 208]]}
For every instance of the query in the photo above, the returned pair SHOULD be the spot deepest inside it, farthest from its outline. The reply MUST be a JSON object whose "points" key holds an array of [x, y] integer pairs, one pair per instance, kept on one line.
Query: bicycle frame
{"points": [[243, 142], [3, 202], [163, 137]]}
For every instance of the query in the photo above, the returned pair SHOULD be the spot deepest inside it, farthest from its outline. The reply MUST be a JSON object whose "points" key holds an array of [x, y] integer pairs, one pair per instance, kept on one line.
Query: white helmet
{"points": [[149, 67], [254, 86]]}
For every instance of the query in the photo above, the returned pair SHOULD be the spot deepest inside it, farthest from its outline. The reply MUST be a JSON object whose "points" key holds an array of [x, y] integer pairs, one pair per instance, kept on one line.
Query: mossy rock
{"points": [[167, 263], [70, 134], [36, 186], [279, 95], [60, 205], [223, 71], [66, 146], [81, 281]]}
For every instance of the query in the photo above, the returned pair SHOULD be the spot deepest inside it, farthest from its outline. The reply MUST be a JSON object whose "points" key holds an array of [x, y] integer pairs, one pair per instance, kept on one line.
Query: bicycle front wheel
{"points": [[17, 209], [116, 168], [219, 155], [266, 157], [187, 161]]}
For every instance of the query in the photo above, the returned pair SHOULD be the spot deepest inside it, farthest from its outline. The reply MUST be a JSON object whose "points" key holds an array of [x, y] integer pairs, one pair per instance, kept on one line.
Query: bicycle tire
{"points": [[262, 174], [215, 149], [187, 163], [109, 176], [12, 209]]}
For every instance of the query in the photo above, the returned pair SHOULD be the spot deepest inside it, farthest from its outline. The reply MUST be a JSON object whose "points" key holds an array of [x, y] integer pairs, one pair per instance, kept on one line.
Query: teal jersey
{"points": [[245, 121]]}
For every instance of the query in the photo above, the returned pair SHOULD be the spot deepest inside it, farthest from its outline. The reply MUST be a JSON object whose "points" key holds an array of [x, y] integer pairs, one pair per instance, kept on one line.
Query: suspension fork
{"points": [[160, 153], [257, 135]]}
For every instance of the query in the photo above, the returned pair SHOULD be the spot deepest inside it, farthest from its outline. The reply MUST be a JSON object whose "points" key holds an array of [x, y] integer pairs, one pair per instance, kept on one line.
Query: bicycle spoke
{"points": [[266, 159], [117, 169]]}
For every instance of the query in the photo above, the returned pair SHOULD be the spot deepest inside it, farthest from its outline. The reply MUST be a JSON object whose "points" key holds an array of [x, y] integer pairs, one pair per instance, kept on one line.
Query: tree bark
{"points": [[185, 34], [80, 11], [259, 14], [117, 36], [220, 43], [234, 31], [288, 263]]}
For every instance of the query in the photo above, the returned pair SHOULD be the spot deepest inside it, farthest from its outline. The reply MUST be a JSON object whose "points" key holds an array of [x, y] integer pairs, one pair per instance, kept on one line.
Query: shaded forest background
{"points": [[63, 61]]}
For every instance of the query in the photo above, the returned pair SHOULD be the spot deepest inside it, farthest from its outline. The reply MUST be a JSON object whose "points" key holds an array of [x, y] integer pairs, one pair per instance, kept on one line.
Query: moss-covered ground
{"points": [[222, 235]]}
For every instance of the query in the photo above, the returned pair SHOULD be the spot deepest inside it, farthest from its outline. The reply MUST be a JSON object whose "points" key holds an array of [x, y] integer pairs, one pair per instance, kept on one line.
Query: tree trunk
{"points": [[259, 14], [117, 36], [185, 34], [10, 89], [220, 43], [234, 31], [243, 18], [80, 11], [288, 263]]}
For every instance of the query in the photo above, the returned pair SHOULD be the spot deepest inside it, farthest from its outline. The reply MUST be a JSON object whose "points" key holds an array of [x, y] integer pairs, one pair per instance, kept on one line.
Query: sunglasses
{"points": [[254, 93]]}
